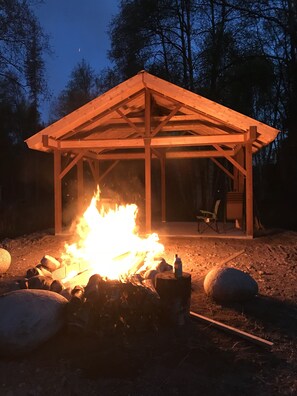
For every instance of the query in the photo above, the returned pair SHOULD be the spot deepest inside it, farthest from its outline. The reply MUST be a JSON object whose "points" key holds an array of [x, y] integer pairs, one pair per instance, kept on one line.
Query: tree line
{"points": [[242, 54]]}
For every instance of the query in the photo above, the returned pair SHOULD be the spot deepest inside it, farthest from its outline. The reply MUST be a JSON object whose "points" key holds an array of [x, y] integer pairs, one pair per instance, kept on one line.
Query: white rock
{"points": [[229, 285], [50, 263], [28, 319], [5, 260]]}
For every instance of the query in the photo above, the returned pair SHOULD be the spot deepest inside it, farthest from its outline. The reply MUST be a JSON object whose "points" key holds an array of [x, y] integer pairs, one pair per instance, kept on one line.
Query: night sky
{"points": [[77, 30]]}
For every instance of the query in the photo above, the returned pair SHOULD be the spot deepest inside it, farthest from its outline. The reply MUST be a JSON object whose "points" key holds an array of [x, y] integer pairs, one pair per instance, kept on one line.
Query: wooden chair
{"points": [[210, 219]]}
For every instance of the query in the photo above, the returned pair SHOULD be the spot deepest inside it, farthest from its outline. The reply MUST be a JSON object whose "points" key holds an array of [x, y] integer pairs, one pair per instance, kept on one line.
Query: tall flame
{"points": [[108, 243]]}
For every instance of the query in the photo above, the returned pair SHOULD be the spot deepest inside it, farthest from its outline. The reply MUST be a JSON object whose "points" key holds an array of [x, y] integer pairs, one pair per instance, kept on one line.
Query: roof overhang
{"points": [[182, 124]]}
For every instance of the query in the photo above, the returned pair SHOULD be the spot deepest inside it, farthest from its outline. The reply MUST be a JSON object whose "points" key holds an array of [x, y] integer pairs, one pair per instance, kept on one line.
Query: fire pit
{"points": [[115, 280]]}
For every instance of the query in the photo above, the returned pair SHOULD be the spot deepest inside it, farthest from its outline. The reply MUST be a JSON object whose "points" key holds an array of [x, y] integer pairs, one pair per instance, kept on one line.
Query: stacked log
{"points": [[40, 276], [105, 307]]}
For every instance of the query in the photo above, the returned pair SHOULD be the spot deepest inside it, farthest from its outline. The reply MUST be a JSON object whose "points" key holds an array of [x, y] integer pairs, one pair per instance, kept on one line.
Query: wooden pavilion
{"points": [[148, 118]]}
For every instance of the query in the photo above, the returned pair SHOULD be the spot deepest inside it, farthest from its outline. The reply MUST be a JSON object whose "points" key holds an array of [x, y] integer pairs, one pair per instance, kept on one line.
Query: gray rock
{"points": [[28, 319], [230, 285]]}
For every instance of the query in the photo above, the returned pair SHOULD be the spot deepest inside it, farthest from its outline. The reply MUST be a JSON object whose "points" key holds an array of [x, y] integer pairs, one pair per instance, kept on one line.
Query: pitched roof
{"points": [[116, 121]]}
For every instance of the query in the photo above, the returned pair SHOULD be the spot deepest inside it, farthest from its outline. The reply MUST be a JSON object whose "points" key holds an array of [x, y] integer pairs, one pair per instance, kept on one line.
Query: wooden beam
{"points": [[57, 192], [166, 120], [251, 134], [105, 119], [221, 166], [163, 188], [230, 159], [94, 167], [197, 154], [132, 125], [80, 185], [209, 108], [91, 166], [147, 164], [169, 155], [97, 173], [172, 141], [110, 168], [239, 178], [232, 330], [172, 123], [249, 185], [112, 98], [71, 164]]}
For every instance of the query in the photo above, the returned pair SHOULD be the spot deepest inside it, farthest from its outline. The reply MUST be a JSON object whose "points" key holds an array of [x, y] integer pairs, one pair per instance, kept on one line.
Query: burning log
{"points": [[149, 284], [38, 270], [150, 274], [175, 295], [136, 280], [79, 279]]}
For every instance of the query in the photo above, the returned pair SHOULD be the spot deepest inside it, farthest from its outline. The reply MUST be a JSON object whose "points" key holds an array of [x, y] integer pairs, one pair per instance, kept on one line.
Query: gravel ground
{"points": [[195, 359]]}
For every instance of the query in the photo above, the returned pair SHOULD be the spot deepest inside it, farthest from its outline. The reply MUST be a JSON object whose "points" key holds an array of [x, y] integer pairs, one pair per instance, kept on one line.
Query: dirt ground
{"points": [[195, 359]]}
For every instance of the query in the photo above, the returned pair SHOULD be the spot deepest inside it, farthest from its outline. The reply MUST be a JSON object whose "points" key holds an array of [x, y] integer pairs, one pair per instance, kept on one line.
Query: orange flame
{"points": [[108, 242]]}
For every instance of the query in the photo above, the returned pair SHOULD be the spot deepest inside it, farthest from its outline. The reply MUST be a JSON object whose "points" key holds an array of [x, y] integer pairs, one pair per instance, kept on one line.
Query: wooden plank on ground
{"points": [[232, 330], [232, 257]]}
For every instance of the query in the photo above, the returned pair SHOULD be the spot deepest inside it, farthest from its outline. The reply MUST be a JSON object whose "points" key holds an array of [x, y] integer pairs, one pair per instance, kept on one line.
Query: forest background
{"points": [[241, 54]]}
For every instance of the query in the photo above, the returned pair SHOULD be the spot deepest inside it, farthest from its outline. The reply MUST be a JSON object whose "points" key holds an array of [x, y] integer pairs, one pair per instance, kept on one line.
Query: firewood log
{"points": [[56, 286], [39, 282], [77, 298], [44, 271], [66, 293], [33, 272], [149, 284], [50, 263], [150, 274], [136, 279], [92, 287], [23, 283]]}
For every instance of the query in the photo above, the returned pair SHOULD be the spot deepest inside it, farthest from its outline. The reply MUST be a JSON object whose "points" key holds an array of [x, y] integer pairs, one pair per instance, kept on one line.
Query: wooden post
{"points": [[58, 192], [249, 182], [238, 176], [163, 188], [80, 186], [147, 155], [97, 173]]}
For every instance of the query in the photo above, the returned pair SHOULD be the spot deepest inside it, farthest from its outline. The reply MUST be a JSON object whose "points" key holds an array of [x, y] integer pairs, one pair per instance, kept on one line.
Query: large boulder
{"points": [[28, 319], [5, 260], [230, 285]]}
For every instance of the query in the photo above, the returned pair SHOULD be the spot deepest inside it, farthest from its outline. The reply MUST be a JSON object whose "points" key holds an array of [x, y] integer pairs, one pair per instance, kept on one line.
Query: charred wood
{"points": [[56, 286], [40, 282], [175, 296]]}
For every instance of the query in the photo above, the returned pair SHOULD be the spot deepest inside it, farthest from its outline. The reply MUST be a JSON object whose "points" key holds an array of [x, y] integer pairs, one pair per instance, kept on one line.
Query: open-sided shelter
{"points": [[144, 118]]}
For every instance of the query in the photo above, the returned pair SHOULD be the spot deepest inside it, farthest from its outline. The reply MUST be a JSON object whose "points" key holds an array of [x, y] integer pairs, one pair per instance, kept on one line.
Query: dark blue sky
{"points": [[77, 30]]}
